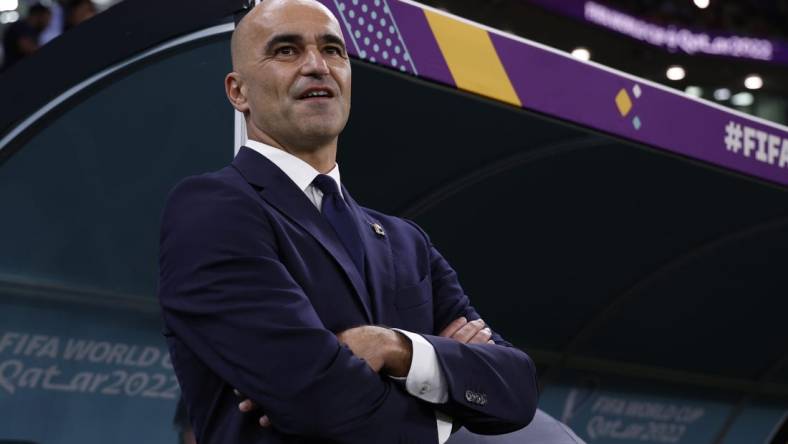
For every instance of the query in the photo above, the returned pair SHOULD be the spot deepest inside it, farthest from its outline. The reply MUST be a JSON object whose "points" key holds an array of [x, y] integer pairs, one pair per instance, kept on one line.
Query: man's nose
{"points": [[314, 63]]}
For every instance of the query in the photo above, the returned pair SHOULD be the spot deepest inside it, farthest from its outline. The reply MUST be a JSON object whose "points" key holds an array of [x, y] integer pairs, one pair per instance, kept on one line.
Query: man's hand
{"points": [[247, 406], [474, 332], [383, 349]]}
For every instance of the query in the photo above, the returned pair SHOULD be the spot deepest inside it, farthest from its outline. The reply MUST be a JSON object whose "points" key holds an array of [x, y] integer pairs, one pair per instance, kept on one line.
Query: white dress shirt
{"points": [[425, 380]]}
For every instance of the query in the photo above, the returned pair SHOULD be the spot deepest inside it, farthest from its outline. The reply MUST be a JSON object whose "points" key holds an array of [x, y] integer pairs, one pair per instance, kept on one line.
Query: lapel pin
{"points": [[378, 230]]}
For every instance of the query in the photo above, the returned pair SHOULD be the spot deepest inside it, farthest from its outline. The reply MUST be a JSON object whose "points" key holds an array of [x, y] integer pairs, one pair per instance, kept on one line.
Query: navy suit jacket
{"points": [[254, 284]]}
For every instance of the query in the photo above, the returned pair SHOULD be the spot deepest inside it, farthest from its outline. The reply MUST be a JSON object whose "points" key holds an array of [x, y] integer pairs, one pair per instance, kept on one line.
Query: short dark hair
{"points": [[73, 4], [38, 9]]}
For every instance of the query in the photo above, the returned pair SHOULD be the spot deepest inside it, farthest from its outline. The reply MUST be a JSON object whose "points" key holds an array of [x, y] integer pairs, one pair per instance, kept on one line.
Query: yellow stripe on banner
{"points": [[472, 58]]}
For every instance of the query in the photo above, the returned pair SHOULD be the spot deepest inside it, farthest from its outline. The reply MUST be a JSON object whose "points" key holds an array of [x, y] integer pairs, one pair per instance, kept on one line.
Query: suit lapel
{"points": [[379, 259], [279, 191]]}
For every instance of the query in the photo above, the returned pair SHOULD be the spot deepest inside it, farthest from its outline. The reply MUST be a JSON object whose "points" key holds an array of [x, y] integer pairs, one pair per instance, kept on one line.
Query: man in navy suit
{"points": [[276, 284]]}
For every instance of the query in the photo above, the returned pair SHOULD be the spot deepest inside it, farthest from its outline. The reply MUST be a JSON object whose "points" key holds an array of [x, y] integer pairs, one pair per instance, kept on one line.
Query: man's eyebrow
{"points": [[296, 39], [332, 38], [283, 38]]}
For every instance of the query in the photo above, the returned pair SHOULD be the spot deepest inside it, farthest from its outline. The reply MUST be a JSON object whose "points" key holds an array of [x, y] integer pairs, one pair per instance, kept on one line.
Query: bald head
{"points": [[291, 75], [264, 17]]}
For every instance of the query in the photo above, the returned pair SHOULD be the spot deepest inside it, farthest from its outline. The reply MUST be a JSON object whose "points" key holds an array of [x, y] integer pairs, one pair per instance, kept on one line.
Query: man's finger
{"points": [[491, 341], [468, 331], [264, 421], [453, 327], [482, 336], [246, 405]]}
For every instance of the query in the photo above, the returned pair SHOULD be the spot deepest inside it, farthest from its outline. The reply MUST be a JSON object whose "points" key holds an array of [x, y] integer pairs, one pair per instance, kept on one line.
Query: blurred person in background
{"points": [[76, 12], [55, 27], [66, 14], [21, 38]]}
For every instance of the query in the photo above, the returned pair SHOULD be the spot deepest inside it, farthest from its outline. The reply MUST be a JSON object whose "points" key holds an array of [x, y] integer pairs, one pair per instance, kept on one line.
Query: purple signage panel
{"points": [[418, 40], [400, 30], [671, 38], [642, 111]]}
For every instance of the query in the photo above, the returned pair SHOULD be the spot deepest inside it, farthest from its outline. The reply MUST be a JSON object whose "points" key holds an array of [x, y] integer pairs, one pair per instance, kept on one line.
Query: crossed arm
{"points": [[389, 352]]}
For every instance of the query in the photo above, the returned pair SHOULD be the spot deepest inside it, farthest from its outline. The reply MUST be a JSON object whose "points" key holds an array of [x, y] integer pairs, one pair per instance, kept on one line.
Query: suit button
{"points": [[475, 398]]}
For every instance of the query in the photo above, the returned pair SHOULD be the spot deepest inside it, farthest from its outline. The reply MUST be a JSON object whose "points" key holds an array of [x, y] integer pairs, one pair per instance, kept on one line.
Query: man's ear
{"points": [[233, 86]]}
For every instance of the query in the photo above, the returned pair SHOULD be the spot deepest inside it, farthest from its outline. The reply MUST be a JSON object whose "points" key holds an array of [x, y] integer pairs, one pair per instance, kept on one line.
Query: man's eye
{"points": [[285, 50], [334, 50]]}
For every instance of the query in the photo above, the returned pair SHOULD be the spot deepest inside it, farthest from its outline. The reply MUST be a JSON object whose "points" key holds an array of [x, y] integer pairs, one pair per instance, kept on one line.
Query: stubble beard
{"points": [[314, 132]]}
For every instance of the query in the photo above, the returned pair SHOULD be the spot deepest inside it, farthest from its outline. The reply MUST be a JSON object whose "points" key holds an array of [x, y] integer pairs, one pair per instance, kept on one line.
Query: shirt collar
{"points": [[296, 169]]}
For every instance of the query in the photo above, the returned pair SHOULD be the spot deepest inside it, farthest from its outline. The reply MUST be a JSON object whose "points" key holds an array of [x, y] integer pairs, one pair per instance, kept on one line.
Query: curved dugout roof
{"points": [[598, 220]]}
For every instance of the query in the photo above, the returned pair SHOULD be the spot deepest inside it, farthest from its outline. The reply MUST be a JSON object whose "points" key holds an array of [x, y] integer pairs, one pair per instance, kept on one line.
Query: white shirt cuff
{"points": [[444, 427], [425, 379]]}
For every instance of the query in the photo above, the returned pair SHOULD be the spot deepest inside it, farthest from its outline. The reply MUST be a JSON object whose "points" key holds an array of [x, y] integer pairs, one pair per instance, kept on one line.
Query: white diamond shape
{"points": [[636, 91]]}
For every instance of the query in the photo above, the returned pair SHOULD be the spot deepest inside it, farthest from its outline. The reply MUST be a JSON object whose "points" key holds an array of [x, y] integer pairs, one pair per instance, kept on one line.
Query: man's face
{"points": [[296, 74], [41, 21]]}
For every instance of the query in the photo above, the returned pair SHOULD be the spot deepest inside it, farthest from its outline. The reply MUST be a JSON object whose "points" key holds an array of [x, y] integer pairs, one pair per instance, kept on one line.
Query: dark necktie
{"points": [[338, 214]]}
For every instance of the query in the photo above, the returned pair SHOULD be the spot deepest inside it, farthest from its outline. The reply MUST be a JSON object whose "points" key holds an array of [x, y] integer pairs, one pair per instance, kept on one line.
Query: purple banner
{"points": [[671, 38], [397, 34], [393, 34], [643, 111]]}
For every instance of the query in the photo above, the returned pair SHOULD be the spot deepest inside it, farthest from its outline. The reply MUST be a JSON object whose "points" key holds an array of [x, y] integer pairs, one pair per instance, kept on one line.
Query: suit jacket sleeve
{"points": [[226, 295], [492, 388]]}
